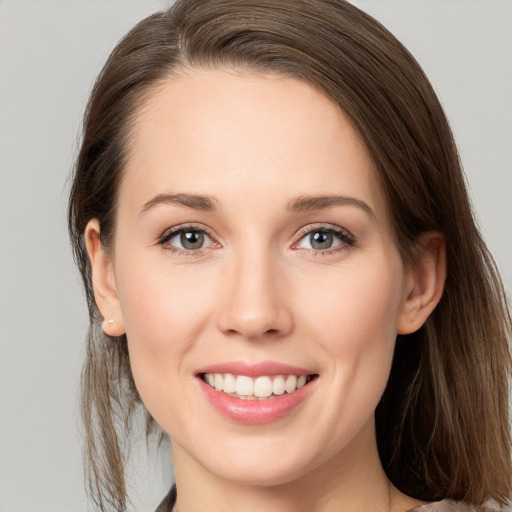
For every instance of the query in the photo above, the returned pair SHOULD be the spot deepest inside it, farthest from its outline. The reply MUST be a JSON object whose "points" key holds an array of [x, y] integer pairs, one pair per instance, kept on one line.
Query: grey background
{"points": [[50, 53]]}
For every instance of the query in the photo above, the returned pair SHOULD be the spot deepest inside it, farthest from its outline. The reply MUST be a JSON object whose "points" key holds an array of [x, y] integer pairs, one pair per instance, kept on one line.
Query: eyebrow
{"points": [[309, 203], [195, 202], [300, 204]]}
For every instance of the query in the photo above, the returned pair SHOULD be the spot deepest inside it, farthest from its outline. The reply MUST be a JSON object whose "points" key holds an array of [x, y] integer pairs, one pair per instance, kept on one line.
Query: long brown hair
{"points": [[443, 422]]}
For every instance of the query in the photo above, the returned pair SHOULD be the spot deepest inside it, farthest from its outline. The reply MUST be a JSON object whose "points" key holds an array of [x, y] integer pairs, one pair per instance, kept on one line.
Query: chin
{"points": [[263, 465], [263, 475]]}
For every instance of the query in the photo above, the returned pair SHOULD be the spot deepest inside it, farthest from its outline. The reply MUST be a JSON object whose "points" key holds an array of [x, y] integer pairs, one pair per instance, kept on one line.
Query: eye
{"points": [[319, 240], [186, 239], [189, 240], [323, 239]]}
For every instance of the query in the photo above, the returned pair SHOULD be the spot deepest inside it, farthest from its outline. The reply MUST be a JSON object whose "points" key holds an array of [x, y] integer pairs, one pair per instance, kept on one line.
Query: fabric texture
{"points": [[438, 506], [454, 506]]}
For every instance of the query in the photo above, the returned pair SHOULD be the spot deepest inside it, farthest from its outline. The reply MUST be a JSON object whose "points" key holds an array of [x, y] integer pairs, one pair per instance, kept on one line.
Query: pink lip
{"points": [[255, 412], [255, 369]]}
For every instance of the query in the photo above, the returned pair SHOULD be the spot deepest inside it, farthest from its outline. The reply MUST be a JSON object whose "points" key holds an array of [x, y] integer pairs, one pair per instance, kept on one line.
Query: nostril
{"points": [[254, 320]]}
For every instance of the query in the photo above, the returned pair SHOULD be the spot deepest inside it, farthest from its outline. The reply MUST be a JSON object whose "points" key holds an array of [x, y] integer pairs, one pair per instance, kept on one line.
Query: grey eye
{"points": [[190, 239], [321, 240]]}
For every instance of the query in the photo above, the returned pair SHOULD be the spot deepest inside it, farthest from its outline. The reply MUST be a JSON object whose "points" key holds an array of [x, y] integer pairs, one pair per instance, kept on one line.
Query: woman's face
{"points": [[253, 250]]}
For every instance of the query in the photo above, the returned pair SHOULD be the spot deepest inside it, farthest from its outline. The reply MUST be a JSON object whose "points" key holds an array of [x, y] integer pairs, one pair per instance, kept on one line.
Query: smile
{"points": [[263, 387], [256, 393]]}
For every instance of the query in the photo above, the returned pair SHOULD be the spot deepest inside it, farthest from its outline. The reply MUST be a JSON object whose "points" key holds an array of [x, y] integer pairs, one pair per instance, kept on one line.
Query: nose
{"points": [[255, 301]]}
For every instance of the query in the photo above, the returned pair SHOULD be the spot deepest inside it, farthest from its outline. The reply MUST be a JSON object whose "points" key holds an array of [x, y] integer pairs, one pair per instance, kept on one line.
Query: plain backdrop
{"points": [[50, 53]]}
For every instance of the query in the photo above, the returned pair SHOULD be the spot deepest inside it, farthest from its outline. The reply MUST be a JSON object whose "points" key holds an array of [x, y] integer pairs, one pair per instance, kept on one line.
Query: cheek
{"points": [[358, 306], [356, 327], [164, 312], [160, 299]]}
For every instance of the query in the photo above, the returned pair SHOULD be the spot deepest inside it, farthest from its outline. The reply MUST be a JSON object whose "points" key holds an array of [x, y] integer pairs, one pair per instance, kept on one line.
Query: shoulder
{"points": [[456, 506]]}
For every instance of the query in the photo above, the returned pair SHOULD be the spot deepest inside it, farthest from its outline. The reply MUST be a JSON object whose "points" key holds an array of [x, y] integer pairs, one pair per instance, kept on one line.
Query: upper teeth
{"points": [[259, 387]]}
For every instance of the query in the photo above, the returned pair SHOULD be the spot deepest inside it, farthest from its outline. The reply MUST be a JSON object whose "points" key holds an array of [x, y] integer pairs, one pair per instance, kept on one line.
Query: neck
{"points": [[344, 482]]}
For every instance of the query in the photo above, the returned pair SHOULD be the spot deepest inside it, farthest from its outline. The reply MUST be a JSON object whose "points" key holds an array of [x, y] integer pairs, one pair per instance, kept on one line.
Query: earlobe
{"points": [[103, 281], [424, 283]]}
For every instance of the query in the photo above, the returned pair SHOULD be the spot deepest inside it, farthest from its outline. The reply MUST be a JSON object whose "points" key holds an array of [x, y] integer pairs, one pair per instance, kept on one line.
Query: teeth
{"points": [[244, 385], [219, 382], [229, 383], [261, 388], [291, 383], [278, 385]]}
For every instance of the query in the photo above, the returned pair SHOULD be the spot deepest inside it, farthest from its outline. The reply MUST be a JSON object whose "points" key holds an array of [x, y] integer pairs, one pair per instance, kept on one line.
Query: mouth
{"points": [[256, 393], [261, 388]]}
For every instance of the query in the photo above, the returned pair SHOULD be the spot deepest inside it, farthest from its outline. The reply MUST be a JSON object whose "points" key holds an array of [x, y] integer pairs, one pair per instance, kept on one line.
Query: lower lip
{"points": [[255, 412]]}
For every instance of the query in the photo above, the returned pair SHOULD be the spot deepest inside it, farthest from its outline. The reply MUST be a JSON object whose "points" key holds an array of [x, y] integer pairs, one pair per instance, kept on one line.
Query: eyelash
{"points": [[172, 232], [346, 238]]}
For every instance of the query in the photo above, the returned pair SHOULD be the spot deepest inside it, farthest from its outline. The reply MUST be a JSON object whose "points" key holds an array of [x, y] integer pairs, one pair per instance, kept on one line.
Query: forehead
{"points": [[245, 134]]}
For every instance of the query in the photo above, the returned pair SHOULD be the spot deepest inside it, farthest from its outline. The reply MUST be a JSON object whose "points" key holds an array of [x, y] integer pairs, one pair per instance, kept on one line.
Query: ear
{"points": [[424, 283], [103, 281]]}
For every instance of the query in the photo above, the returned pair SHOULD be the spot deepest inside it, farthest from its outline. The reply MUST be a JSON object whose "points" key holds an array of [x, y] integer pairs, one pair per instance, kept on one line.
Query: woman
{"points": [[282, 266]]}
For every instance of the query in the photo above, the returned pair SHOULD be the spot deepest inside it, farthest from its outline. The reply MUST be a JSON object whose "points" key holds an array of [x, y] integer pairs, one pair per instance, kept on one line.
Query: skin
{"points": [[258, 290]]}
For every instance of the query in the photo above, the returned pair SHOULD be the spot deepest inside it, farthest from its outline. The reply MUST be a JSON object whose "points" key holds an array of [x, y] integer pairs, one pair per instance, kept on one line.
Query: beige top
{"points": [[454, 506], [168, 503]]}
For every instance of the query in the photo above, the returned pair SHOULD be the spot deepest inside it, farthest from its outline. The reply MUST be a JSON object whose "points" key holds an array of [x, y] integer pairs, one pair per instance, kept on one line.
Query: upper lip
{"points": [[254, 369]]}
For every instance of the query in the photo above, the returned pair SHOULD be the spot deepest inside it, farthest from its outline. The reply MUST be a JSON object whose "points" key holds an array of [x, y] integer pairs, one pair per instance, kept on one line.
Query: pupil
{"points": [[321, 240], [192, 240]]}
